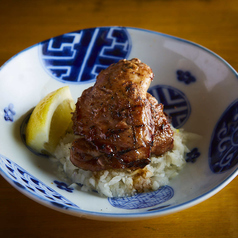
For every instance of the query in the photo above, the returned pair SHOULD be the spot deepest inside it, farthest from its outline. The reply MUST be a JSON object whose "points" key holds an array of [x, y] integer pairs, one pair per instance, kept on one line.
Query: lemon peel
{"points": [[50, 120]]}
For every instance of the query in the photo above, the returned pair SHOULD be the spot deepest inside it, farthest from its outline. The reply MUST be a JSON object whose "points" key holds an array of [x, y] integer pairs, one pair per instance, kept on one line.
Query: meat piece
{"points": [[120, 122], [163, 134]]}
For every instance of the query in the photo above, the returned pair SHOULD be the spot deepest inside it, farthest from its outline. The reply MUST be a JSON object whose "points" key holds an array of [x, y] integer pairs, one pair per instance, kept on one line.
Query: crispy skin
{"points": [[120, 122]]}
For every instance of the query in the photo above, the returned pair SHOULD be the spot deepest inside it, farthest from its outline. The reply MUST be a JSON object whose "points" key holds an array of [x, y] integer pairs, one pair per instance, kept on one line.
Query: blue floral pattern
{"points": [[185, 76], [192, 155], [9, 113], [63, 186]]}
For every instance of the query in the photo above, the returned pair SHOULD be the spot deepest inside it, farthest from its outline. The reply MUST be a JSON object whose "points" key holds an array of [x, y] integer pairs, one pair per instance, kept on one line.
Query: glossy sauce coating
{"points": [[120, 122]]}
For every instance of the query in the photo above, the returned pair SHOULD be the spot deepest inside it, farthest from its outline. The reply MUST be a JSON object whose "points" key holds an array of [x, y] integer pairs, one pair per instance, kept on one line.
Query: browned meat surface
{"points": [[120, 122]]}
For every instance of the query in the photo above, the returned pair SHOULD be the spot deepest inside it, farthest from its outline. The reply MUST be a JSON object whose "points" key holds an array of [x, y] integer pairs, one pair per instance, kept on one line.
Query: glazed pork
{"points": [[120, 125]]}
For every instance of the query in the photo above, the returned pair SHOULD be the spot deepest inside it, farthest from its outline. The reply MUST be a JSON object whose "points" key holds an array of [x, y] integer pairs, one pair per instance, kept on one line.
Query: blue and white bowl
{"points": [[198, 88]]}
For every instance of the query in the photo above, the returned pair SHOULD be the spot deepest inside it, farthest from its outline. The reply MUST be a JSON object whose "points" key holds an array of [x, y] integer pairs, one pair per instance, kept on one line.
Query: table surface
{"points": [[211, 23]]}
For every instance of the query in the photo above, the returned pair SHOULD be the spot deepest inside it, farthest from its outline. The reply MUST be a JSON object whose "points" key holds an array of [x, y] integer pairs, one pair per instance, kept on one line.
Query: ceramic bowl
{"points": [[198, 90]]}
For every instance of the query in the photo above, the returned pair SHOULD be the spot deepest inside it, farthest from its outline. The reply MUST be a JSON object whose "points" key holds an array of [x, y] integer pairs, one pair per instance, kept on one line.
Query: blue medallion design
{"points": [[192, 155], [176, 104], [24, 180], [185, 76], [143, 200], [223, 151], [9, 113], [79, 56]]}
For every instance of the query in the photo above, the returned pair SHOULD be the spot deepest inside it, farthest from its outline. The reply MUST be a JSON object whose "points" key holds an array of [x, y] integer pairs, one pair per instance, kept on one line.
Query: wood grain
{"points": [[211, 23]]}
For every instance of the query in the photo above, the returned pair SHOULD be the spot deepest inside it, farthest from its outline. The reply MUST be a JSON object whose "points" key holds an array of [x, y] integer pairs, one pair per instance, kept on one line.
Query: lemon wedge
{"points": [[50, 120]]}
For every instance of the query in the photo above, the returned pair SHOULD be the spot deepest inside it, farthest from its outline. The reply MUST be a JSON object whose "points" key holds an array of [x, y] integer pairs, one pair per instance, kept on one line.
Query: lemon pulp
{"points": [[50, 120]]}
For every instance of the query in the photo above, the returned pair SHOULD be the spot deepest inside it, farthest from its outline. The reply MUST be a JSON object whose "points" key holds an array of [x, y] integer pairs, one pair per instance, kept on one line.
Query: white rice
{"points": [[119, 183]]}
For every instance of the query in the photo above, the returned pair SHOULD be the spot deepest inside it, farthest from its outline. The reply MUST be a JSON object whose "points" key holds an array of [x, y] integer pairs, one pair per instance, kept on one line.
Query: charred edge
{"points": [[139, 164]]}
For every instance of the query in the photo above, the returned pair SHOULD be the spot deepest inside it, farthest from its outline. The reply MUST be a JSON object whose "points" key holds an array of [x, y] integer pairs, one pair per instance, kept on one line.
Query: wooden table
{"points": [[211, 23]]}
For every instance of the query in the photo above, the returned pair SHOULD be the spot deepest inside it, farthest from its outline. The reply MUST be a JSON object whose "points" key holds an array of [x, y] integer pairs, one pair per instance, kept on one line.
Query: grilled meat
{"points": [[120, 123]]}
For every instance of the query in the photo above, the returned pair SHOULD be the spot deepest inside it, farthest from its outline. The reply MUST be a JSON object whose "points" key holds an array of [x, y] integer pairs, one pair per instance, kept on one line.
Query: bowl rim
{"points": [[137, 29]]}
